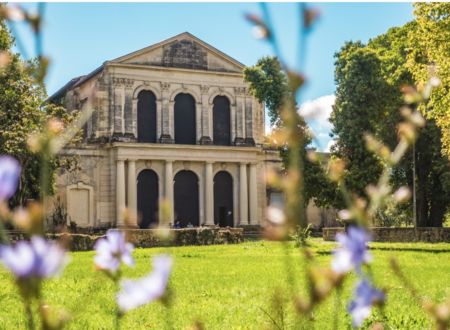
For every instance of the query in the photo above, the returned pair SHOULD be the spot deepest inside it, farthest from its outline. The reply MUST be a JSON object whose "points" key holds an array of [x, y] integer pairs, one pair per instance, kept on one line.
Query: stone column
{"points": [[129, 117], [132, 194], [120, 192], [209, 194], [168, 188], [134, 115], [243, 195], [118, 94], [240, 117], [249, 139], [206, 113], [166, 113], [253, 195]]}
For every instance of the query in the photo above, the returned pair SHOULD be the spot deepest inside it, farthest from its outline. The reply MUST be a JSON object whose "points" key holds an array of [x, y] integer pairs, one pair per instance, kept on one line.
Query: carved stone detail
{"points": [[240, 90], [123, 81], [165, 86], [204, 89]]}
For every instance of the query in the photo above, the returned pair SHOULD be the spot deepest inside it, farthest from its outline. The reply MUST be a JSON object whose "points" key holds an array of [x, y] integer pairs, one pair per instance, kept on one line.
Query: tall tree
{"points": [[359, 107], [22, 114], [430, 43], [369, 79]]}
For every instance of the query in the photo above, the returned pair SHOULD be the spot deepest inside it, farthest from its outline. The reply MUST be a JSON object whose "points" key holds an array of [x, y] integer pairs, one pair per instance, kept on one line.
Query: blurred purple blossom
{"points": [[9, 176], [33, 259], [351, 252], [139, 292], [112, 250], [365, 295]]}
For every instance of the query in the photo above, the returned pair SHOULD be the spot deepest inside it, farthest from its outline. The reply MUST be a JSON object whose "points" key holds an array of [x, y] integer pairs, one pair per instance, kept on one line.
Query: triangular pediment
{"points": [[183, 51]]}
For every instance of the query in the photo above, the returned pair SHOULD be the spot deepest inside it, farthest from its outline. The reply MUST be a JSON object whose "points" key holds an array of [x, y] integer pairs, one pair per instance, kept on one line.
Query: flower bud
{"points": [[336, 169], [402, 194], [34, 143], [407, 131], [345, 215], [55, 126], [22, 219]]}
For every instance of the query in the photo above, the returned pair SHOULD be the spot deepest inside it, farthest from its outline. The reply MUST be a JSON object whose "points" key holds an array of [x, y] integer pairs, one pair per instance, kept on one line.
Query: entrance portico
{"points": [[165, 164]]}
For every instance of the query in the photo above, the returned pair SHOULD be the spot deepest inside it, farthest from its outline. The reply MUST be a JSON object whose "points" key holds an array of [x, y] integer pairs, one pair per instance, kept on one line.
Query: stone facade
{"points": [[111, 158]]}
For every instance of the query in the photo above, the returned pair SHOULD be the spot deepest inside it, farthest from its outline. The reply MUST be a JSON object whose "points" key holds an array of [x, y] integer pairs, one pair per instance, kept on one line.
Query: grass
{"points": [[231, 287]]}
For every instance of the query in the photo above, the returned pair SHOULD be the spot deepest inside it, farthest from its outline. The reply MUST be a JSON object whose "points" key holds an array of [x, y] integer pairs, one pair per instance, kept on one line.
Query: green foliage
{"points": [[268, 84], [430, 45], [23, 114], [360, 107], [231, 285], [301, 235], [394, 215], [369, 80], [57, 221]]}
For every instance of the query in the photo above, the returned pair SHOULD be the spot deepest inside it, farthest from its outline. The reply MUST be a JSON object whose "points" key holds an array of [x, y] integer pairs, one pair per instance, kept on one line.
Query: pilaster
{"points": [[120, 192], [209, 194], [132, 194], [253, 195], [168, 189], [243, 194]]}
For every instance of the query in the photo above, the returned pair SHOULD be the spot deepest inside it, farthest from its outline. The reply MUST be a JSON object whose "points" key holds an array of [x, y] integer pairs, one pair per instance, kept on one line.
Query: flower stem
{"points": [[337, 307], [29, 314]]}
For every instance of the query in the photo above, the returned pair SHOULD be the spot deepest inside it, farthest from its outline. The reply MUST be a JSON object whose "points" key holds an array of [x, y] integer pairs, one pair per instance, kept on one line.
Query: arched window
{"points": [[221, 121], [186, 198], [146, 117], [223, 199], [185, 130], [147, 198]]}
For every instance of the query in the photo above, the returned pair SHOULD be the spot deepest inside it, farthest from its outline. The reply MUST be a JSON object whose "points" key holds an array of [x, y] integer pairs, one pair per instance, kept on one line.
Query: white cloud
{"points": [[318, 109], [317, 113]]}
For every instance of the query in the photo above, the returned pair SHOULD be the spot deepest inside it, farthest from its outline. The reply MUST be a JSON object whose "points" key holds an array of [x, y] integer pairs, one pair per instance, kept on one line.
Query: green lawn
{"points": [[230, 287]]}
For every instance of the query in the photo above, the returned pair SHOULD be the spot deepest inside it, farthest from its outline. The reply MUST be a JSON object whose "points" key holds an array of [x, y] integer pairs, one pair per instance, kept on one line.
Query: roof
{"points": [[81, 79]]}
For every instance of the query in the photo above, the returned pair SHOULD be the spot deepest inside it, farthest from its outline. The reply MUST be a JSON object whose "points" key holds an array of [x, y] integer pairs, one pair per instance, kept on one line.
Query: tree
{"points": [[22, 114], [431, 47], [360, 103], [369, 80], [269, 85]]}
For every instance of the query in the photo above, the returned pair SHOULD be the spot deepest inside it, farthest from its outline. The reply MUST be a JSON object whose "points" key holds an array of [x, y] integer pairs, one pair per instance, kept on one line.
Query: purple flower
{"points": [[365, 296], [352, 251], [37, 258], [139, 292], [9, 176], [113, 250]]}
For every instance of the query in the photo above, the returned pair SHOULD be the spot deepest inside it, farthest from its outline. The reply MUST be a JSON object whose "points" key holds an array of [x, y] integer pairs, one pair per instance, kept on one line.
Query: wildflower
{"points": [[352, 251], [402, 194], [139, 292], [365, 295], [113, 250], [36, 259], [9, 176]]}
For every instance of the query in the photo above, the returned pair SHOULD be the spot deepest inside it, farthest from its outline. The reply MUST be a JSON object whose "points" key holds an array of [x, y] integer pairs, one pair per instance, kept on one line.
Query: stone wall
{"points": [[145, 238], [390, 234]]}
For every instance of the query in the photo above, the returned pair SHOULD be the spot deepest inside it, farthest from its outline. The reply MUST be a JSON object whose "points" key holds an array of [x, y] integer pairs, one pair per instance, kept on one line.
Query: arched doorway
{"points": [[184, 112], [146, 117], [223, 199], [186, 198], [147, 198], [221, 121]]}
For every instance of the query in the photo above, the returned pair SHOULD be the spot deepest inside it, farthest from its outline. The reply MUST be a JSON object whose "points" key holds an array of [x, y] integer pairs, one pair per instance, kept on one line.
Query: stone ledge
{"points": [[392, 234]]}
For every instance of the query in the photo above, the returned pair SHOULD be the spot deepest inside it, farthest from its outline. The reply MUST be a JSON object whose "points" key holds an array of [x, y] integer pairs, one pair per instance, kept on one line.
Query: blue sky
{"points": [[79, 37]]}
